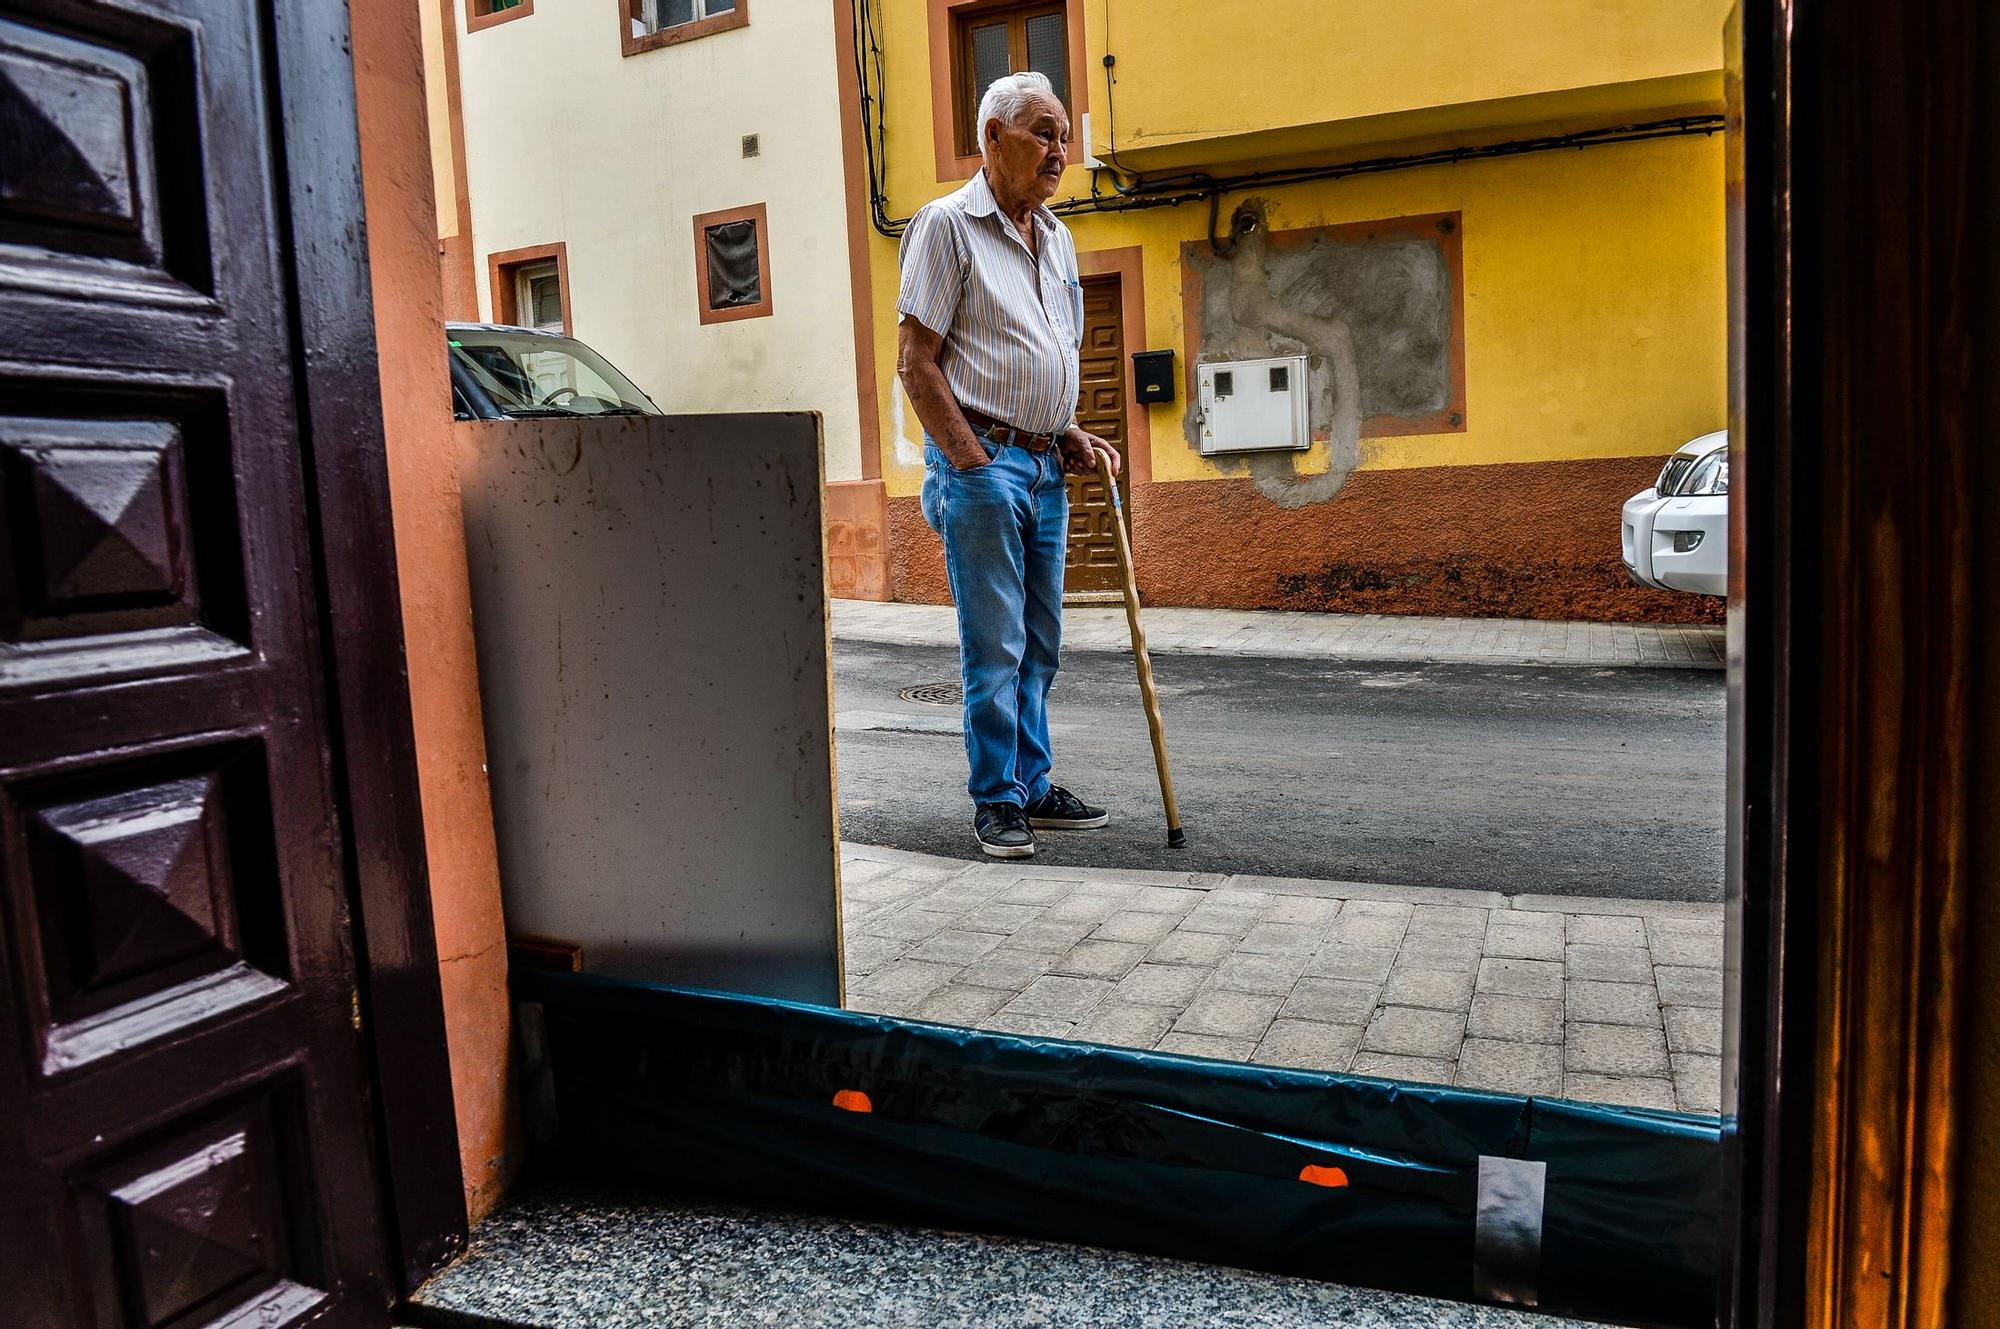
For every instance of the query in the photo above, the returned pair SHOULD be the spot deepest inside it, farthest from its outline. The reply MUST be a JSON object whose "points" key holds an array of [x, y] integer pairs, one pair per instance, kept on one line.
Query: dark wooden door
{"points": [[184, 1100], [1091, 570]]}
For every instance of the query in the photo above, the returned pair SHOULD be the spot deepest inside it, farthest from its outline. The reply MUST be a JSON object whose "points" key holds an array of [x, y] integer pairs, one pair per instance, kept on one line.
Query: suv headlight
{"points": [[1710, 475]]}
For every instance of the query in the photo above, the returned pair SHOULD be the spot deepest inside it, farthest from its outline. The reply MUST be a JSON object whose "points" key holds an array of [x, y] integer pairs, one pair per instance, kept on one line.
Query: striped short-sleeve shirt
{"points": [[1012, 324]]}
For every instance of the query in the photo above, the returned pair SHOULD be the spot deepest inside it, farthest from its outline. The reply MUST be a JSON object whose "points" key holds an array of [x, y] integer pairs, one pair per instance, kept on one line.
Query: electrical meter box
{"points": [[1254, 405]]}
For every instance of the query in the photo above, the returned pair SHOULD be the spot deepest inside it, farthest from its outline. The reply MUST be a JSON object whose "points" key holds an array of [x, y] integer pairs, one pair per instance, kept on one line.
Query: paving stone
{"points": [[1233, 897], [1058, 997], [1443, 920], [1091, 958], [955, 1003], [1611, 1003], [1507, 940], [1229, 1015], [865, 954], [1698, 1082], [1207, 1045], [1135, 926], [1008, 968], [1051, 934], [1614, 1049], [1183, 947], [1397, 910], [1439, 989], [1083, 908], [1162, 984], [1272, 975], [911, 924], [1520, 978], [1694, 950], [1348, 960], [956, 948], [927, 875], [1694, 1029], [907, 980], [1333, 1000], [1309, 1045], [958, 897], [1366, 930], [874, 1003], [1516, 1019], [1541, 920], [1610, 964], [1303, 911], [1409, 1031], [1510, 1068], [1689, 987], [1126, 1025], [1036, 892], [1280, 939], [1415, 1070], [1164, 900], [1605, 930], [1623, 1090], [855, 871], [1707, 922], [1000, 918], [1231, 923], [1029, 1026], [1458, 954]]}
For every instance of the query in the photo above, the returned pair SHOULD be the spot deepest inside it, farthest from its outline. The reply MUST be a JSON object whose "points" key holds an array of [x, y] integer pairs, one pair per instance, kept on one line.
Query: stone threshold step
{"points": [[556, 1258]]}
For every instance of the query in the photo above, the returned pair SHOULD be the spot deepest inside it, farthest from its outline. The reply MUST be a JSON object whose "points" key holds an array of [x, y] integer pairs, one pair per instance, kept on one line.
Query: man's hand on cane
{"points": [[1080, 450]]}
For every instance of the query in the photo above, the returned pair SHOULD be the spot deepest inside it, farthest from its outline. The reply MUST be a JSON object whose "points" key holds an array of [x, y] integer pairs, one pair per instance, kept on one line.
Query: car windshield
{"points": [[535, 374]]}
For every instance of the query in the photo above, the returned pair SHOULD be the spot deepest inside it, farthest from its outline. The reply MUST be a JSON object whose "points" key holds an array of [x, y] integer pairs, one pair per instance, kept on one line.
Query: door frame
{"points": [[352, 534], [1853, 692], [1128, 264]]}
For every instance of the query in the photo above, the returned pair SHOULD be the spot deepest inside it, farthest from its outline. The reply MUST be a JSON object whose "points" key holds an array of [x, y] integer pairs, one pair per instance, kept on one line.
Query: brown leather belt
{"points": [[1005, 434]]}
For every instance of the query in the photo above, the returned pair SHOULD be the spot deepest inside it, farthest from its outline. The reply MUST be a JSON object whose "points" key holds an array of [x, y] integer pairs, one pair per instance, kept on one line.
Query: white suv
{"points": [[1677, 532]]}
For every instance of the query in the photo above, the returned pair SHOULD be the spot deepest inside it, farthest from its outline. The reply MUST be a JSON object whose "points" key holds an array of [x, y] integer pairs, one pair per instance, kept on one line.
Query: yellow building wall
{"points": [[1594, 304], [1356, 70]]}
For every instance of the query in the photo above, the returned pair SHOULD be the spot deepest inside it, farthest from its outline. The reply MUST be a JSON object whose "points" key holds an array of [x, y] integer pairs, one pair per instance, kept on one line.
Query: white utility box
{"points": [[1254, 405]]}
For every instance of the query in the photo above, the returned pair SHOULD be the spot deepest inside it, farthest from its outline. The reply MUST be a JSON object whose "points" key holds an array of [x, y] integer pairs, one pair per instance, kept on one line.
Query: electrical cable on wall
{"points": [[1170, 191]]}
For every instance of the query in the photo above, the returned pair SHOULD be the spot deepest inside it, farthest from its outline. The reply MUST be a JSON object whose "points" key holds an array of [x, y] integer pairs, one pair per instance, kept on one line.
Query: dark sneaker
{"points": [[1002, 831], [1060, 810]]}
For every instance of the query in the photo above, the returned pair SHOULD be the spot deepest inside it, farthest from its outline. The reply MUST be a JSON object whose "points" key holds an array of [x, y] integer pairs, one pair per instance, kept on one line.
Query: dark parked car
{"points": [[506, 373]]}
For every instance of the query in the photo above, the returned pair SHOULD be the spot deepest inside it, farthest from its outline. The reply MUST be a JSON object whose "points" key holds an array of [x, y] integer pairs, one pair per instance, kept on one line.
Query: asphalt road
{"points": [[1566, 781]]}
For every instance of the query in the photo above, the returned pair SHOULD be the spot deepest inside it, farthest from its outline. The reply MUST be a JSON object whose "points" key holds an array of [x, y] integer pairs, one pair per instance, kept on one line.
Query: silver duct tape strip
{"points": [[1507, 1230]]}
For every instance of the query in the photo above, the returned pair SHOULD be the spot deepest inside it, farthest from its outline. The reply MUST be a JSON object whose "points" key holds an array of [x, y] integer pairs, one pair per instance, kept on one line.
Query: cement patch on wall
{"points": [[1377, 308], [1530, 540]]}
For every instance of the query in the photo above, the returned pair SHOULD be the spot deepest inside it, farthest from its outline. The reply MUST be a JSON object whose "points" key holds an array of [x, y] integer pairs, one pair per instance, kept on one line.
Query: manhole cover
{"points": [[935, 694]]}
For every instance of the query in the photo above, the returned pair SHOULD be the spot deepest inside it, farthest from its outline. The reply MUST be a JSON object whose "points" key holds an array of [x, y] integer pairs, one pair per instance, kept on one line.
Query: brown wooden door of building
{"points": [[184, 1094], [1091, 570]]}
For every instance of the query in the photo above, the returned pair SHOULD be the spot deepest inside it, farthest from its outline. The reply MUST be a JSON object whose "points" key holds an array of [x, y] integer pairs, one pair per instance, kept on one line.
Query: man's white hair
{"points": [[1008, 99]]}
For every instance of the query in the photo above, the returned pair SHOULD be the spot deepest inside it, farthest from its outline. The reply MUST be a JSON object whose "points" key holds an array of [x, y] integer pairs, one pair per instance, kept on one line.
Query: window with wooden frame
{"points": [[732, 256], [990, 42], [651, 24], [485, 13], [530, 287]]}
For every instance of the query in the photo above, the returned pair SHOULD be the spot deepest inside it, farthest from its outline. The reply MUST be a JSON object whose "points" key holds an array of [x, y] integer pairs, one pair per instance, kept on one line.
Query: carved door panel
{"points": [[184, 1125], [1091, 570]]}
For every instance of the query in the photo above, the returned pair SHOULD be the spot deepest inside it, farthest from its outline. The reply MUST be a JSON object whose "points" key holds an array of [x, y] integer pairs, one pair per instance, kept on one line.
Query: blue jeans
{"points": [[1006, 532]]}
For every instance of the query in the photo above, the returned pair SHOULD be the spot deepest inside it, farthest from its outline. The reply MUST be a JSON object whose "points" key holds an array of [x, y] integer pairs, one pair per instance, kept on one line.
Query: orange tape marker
{"points": [[853, 1100], [1315, 1175]]}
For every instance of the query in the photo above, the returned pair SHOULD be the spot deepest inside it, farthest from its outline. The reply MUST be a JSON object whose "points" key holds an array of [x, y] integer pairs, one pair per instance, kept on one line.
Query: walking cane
{"points": [[1176, 837]]}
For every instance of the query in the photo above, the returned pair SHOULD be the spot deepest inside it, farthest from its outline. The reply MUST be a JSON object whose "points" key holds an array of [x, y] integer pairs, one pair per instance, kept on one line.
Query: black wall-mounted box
{"points": [[1153, 375]]}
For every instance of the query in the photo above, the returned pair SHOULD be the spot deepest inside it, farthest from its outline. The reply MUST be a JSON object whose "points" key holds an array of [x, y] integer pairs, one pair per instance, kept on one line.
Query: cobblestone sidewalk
{"points": [[1285, 634], [1613, 1001]]}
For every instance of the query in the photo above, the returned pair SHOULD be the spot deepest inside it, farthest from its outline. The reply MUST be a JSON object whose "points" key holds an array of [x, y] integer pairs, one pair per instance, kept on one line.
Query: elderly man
{"points": [[991, 321]]}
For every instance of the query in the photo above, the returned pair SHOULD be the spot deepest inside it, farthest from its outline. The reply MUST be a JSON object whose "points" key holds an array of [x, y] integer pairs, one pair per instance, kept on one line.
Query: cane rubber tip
{"points": [[1176, 838]]}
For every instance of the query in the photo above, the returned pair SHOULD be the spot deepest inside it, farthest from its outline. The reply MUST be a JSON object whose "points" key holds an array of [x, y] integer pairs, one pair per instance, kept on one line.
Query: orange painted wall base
{"points": [[1528, 540], [857, 520]]}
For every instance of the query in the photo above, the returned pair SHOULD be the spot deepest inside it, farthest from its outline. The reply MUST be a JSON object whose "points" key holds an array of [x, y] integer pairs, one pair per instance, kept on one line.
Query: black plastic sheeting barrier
{"points": [[737, 1096]]}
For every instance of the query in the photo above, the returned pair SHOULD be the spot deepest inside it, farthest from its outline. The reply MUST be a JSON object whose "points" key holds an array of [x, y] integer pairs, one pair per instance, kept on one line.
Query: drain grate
{"points": [[935, 694]]}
